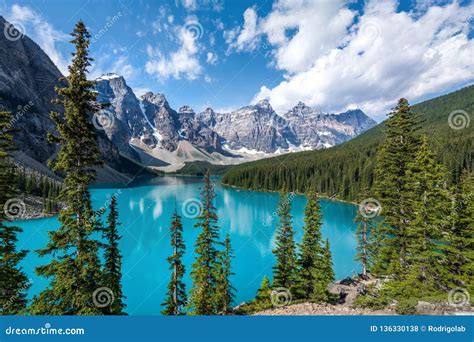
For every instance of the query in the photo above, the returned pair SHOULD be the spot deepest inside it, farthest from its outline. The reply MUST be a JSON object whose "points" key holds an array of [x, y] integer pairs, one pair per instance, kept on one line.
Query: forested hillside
{"points": [[342, 171]]}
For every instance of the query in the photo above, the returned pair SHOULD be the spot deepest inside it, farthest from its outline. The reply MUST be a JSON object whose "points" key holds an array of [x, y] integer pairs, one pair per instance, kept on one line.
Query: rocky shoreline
{"points": [[347, 290], [26, 208], [312, 309]]}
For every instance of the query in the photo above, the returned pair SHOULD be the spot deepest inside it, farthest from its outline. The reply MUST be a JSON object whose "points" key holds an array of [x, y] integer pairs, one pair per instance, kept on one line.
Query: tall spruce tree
{"points": [[321, 293], [398, 149], [113, 260], [74, 270], [311, 283], [13, 281], [429, 200], [460, 251], [264, 291], [225, 292], [202, 300], [366, 233], [460, 248], [176, 299], [285, 269]]}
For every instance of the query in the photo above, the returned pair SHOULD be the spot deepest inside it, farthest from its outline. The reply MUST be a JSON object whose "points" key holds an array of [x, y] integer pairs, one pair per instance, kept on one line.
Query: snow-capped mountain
{"points": [[167, 138]]}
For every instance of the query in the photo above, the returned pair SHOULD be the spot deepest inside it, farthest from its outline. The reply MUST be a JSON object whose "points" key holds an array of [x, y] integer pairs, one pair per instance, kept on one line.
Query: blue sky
{"points": [[332, 55]]}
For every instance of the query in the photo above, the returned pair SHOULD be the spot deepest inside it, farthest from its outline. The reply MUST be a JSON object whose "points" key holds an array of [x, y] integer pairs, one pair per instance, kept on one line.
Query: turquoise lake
{"points": [[145, 210]]}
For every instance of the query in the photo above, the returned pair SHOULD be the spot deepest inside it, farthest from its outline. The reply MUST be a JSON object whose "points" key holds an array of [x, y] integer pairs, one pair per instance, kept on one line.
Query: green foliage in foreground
{"points": [[313, 257], [176, 298], [74, 271], [426, 235], [13, 281], [112, 271], [345, 170], [212, 292], [285, 268]]}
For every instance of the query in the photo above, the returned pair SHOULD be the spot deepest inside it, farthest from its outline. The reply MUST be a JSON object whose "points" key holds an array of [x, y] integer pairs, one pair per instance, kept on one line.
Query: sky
{"points": [[333, 55]]}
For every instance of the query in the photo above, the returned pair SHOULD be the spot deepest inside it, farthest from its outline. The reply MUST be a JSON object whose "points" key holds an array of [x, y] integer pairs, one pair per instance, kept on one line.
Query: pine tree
{"points": [[367, 239], [74, 271], [29, 185], [176, 299], [113, 260], [202, 299], [285, 269], [311, 253], [324, 276], [429, 201], [13, 281], [397, 151], [460, 251], [224, 290], [264, 292]]}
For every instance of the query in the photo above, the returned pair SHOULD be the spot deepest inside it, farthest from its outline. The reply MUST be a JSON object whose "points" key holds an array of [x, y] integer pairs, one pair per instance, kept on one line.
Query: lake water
{"points": [[248, 216]]}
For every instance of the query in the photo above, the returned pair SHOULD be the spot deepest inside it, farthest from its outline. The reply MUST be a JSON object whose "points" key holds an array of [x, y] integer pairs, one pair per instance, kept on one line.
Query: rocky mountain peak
{"points": [[109, 76], [185, 110], [158, 99], [264, 104]]}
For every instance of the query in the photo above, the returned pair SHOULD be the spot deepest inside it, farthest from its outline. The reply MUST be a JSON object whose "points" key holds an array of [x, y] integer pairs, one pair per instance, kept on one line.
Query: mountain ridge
{"points": [[345, 170], [250, 132]]}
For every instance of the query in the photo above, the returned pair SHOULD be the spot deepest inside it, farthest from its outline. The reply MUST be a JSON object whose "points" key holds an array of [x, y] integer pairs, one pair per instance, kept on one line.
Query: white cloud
{"points": [[193, 5], [190, 5], [334, 62], [211, 58], [182, 62], [139, 91], [42, 32], [247, 37], [122, 67]]}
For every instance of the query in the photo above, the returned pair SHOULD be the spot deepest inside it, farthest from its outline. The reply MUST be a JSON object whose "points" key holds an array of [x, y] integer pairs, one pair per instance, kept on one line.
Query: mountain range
{"points": [[137, 132], [346, 171], [166, 138]]}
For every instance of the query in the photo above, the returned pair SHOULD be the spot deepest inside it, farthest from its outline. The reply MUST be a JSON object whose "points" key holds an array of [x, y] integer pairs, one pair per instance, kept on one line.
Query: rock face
{"points": [[313, 130], [27, 81], [255, 127]]}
